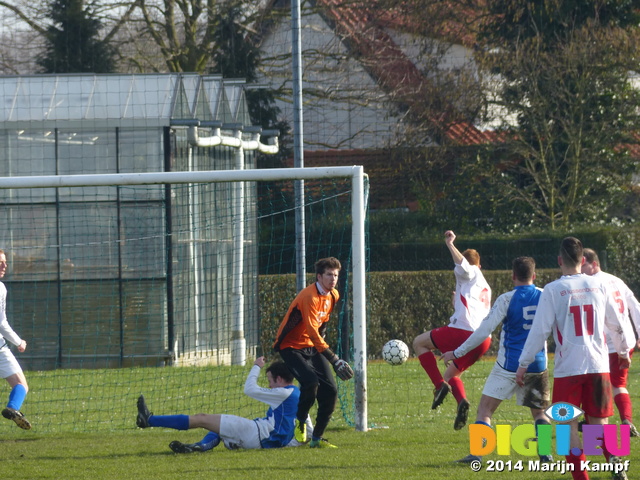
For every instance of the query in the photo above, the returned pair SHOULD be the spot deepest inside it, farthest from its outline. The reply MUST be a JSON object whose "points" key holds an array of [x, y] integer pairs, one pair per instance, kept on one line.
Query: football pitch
{"points": [[399, 446]]}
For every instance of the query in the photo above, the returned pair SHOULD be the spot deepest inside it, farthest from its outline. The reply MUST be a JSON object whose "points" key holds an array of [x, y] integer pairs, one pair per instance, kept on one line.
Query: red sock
{"points": [[430, 364], [605, 452], [577, 474], [623, 403], [457, 389]]}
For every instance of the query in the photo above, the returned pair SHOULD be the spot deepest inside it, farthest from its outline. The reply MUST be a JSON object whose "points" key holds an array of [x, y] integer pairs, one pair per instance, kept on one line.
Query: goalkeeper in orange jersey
{"points": [[300, 342]]}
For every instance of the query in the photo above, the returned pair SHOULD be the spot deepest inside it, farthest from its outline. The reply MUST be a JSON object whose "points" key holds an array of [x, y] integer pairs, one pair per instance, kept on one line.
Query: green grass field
{"points": [[408, 441]]}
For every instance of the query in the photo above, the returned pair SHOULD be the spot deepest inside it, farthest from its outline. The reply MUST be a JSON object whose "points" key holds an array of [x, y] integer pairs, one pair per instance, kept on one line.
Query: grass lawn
{"points": [[409, 441]]}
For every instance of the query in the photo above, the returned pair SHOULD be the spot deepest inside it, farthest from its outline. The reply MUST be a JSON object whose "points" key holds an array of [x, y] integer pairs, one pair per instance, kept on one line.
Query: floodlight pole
{"points": [[298, 149]]}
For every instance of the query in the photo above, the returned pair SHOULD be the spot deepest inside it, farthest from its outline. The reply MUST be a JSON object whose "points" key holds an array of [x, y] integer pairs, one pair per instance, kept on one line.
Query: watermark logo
{"points": [[530, 441], [563, 412]]}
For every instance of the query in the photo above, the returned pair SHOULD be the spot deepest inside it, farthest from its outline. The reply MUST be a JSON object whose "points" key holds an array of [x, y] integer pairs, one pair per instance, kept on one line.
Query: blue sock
{"points": [[210, 440], [177, 422], [17, 396], [480, 422]]}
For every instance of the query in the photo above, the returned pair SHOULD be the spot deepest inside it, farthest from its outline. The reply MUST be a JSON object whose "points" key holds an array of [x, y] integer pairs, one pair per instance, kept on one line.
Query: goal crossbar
{"points": [[356, 173], [206, 176]]}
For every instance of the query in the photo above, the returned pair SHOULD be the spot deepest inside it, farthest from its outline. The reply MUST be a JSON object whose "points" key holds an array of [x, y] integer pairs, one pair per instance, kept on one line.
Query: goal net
{"points": [[169, 285]]}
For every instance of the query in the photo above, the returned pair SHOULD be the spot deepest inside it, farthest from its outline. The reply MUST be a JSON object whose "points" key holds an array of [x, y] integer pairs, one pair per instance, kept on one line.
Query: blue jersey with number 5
{"points": [[515, 329]]}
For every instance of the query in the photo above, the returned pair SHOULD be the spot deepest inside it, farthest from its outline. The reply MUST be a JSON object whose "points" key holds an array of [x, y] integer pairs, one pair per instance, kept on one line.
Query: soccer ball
{"points": [[395, 352]]}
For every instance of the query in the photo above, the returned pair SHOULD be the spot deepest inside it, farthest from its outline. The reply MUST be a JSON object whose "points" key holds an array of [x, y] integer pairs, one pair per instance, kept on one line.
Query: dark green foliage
{"points": [[408, 242], [73, 43], [552, 20], [234, 56]]}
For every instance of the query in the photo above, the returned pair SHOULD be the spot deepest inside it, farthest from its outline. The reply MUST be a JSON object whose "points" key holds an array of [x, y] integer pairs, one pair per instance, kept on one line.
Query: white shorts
{"points": [[501, 384], [8, 363], [238, 432]]}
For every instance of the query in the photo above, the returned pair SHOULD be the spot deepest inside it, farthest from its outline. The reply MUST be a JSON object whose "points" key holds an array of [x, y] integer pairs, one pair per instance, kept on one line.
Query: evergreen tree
{"points": [[73, 42], [236, 56]]}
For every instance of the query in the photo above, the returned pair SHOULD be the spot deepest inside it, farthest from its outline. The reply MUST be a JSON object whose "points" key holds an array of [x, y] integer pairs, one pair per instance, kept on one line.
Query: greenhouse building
{"points": [[128, 275]]}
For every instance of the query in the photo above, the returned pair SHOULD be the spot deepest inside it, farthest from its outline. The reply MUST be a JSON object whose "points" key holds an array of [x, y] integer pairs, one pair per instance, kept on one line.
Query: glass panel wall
{"points": [[88, 265]]}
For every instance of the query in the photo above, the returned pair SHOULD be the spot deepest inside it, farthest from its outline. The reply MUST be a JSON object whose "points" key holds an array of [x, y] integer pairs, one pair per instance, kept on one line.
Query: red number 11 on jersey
{"points": [[576, 311]]}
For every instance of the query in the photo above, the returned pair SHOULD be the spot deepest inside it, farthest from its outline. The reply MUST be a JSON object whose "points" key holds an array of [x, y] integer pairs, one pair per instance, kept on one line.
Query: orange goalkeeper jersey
{"points": [[305, 322]]}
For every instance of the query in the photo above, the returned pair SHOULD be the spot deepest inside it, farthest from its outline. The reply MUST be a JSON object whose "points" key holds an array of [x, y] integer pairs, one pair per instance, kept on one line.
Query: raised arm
{"points": [[449, 238]]}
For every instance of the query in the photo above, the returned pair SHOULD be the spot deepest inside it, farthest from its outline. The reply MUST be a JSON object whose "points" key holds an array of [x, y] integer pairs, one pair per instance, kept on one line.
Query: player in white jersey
{"points": [[576, 308], [628, 305], [275, 430], [471, 301], [513, 310], [9, 367]]}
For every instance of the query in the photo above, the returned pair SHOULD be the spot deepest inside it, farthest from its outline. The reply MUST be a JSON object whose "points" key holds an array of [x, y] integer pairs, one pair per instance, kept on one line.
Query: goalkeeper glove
{"points": [[343, 370]]}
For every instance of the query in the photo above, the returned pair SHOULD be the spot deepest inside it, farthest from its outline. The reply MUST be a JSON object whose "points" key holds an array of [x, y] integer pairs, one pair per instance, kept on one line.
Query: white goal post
{"points": [[356, 173]]}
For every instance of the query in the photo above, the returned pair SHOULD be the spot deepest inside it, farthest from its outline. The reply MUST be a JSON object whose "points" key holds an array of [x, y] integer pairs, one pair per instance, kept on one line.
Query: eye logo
{"points": [[563, 412]]}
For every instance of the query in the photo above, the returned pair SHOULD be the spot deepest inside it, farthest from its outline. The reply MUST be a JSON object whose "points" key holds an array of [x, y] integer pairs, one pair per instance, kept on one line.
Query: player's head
{"points": [[3, 263], [327, 272], [591, 263], [279, 369], [329, 263], [524, 269], [472, 256], [571, 252]]}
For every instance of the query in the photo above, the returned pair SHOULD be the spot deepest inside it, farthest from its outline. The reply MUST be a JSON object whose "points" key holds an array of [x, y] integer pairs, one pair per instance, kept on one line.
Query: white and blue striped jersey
{"points": [[277, 428], [515, 310]]}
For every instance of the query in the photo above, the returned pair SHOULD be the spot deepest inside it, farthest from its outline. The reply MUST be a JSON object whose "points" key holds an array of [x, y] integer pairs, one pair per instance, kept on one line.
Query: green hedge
{"points": [[403, 304], [399, 304], [619, 249]]}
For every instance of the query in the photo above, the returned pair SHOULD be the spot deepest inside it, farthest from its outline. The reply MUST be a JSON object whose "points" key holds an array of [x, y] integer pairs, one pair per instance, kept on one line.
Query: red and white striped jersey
{"points": [[576, 308], [626, 303], [472, 300]]}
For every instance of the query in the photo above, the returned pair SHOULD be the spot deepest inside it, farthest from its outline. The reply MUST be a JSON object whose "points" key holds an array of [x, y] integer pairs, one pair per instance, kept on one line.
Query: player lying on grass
{"points": [[515, 311], [273, 431], [211, 439]]}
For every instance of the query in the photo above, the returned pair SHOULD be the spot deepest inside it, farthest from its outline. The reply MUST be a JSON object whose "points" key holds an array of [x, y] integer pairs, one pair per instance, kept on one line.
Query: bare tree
{"points": [[570, 107], [26, 23]]}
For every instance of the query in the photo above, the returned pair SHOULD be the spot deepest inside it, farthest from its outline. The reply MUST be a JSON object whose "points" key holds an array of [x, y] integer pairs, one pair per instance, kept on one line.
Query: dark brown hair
{"points": [[524, 268], [280, 369], [571, 251], [329, 263]]}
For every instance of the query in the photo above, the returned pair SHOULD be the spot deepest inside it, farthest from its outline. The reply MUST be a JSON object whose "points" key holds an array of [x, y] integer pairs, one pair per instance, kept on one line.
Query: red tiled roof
{"points": [[467, 134], [449, 20], [360, 27]]}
